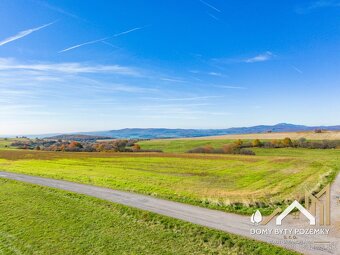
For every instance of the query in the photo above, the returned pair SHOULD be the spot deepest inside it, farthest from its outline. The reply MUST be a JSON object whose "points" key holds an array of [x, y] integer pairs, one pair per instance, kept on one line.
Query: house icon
{"points": [[292, 206]]}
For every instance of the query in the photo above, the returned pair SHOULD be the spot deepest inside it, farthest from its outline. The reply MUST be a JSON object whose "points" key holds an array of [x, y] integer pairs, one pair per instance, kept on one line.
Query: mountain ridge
{"points": [[153, 133]]}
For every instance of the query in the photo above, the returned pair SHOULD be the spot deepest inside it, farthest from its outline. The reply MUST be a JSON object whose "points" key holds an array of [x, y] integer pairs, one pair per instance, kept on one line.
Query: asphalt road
{"points": [[227, 222]]}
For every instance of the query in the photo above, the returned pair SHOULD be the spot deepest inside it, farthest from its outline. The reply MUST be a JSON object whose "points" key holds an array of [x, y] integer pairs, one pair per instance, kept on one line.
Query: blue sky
{"points": [[96, 65]]}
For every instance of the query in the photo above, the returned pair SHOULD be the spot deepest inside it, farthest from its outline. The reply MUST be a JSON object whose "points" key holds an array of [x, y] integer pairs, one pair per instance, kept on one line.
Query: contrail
{"points": [[82, 44], [101, 39], [23, 34], [209, 5], [297, 69], [128, 31]]}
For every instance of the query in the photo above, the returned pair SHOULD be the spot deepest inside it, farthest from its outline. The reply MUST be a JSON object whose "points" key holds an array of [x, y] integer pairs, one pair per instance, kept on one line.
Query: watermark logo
{"points": [[290, 208], [317, 212], [312, 202], [320, 201], [256, 217]]}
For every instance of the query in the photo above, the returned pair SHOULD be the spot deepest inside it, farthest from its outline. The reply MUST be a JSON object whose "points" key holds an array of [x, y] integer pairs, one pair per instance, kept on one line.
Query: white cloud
{"points": [[229, 87], [215, 74], [23, 34], [317, 5], [184, 98], [173, 80], [260, 58], [67, 67]]}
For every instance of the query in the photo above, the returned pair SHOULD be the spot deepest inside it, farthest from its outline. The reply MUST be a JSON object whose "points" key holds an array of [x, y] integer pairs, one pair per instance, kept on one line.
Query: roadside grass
{"points": [[230, 183], [40, 220]]}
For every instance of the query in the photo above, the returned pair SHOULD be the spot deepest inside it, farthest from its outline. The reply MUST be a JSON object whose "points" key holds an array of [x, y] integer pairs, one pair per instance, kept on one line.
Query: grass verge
{"points": [[40, 220]]}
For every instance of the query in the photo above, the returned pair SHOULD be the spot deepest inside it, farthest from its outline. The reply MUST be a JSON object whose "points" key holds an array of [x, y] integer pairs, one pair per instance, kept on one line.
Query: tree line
{"points": [[244, 147], [119, 145]]}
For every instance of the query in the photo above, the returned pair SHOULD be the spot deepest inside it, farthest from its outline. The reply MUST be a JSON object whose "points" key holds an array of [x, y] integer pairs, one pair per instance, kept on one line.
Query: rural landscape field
{"points": [[235, 183], [169, 127], [91, 224]]}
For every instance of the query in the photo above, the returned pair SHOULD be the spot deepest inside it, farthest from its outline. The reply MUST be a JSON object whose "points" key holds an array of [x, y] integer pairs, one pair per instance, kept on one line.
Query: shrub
{"points": [[256, 143], [246, 152], [287, 142], [136, 147], [205, 149], [226, 149], [229, 148], [239, 142]]}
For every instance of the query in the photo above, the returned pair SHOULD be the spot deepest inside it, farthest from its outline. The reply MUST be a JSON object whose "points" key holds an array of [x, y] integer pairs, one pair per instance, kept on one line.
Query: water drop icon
{"points": [[256, 217]]}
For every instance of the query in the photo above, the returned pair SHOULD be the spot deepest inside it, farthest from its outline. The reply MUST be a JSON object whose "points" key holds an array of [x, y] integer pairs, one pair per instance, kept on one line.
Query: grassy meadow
{"points": [[181, 145], [39, 220], [234, 183], [5, 143]]}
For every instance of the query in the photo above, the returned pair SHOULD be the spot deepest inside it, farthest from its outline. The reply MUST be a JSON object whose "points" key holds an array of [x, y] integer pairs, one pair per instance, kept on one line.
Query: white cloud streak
{"points": [[128, 31], [100, 40], [185, 98], [215, 74], [82, 44], [213, 16], [317, 5], [57, 9], [297, 69], [23, 34], [172, 80], [210, 6], [260, 58], [67, 68], [229, 87]]}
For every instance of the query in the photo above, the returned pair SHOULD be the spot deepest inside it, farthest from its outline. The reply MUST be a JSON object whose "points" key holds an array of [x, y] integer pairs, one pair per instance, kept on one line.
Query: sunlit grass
{"points": [[38, 220], [231, 183], [172, 145]]}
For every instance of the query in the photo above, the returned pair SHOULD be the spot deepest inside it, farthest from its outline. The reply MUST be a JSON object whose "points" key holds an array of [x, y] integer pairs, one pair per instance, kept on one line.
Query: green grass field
{"points": [[5, 143], [179, 146], [232, 183], [39, 220]]}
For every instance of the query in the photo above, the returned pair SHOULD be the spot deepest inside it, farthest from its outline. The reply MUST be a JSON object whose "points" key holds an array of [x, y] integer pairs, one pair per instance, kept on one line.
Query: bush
{"points": [[246, 152], [239, 142], [232, 148], [256, 143], [229, 148], [136, 147], [205, 149], [287, 142]]}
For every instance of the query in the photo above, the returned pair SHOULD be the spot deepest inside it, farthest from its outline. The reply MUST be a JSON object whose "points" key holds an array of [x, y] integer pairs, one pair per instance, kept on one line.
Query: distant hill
{"points": [[310, 135], [78, 137], [152, 133]]}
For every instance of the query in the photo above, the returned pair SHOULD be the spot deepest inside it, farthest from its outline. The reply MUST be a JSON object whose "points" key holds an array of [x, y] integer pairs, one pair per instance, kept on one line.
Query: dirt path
{"points": [[227, 222]]}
